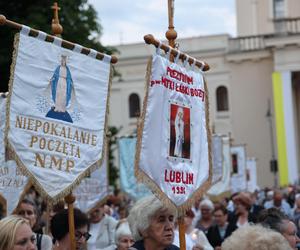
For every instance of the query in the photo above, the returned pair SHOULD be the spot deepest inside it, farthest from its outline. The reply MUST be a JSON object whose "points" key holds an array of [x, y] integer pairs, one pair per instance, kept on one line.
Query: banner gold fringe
{"points": [[143, 177], [12, 154]]}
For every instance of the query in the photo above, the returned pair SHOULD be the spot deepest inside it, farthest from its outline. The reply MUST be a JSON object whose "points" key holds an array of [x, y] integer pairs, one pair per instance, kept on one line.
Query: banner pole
{"points": [[171, 35], [49, 38], [70, 199], [57, 29]]}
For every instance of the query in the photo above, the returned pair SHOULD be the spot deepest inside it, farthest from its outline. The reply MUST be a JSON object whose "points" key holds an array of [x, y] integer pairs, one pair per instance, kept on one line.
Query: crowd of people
{"points": [[268, 219]]}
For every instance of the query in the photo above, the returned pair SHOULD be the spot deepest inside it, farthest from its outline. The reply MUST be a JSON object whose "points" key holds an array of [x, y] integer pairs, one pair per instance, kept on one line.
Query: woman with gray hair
{"points": [[255, 237], [123, 237], [152, 225], [206, 207]]}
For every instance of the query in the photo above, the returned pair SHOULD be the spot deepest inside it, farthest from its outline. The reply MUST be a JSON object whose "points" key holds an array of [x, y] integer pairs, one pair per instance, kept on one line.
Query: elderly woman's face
{"points": [[161, 229], [125, 242], [206, 212]]}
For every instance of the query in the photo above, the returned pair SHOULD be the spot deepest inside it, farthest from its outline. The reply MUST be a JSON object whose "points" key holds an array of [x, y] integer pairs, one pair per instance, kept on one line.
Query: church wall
{"points": [[251, 87]]}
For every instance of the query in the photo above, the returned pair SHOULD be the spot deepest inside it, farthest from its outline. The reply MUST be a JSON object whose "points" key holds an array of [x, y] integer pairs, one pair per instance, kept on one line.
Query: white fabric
{"points": [[159, 160], [195, 238], [12, 182], [252, 175], [55, 147], [238, 180], [107, 58], [103, 233], [92, 189], [57, 41], [93, 53], [42, 36], [25, 30], [77, 48], [224, 184]]}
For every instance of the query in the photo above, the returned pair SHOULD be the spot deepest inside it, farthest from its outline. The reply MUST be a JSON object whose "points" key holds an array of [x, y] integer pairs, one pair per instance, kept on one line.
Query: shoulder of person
{"points": [[111, 220], [173, 247]]}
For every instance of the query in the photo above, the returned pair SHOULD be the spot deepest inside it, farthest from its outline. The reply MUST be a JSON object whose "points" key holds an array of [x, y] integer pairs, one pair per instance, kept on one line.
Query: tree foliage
{"points": [[112, 141], [78, 18]]}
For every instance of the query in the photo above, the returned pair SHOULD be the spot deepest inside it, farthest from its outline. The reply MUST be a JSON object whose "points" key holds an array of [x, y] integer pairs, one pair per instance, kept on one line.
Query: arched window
{"points": [[134, 105], [222, 99]]}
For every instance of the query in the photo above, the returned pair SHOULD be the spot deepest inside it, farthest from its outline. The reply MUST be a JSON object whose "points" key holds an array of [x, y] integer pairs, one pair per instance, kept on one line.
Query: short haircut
{"points": [[255, 237], [8, 229], [60, 223], [142, 212], [272, 218], [122, 229], [222, 208], [31, 202], [208, 203]]}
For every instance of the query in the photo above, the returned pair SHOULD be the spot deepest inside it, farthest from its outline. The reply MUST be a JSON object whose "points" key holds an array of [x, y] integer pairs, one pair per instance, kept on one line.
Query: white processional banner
{"points": [[93, 189], [238, 171], [57, 114], [224, 184], [251, 175], [173, 147], [12, 182]]}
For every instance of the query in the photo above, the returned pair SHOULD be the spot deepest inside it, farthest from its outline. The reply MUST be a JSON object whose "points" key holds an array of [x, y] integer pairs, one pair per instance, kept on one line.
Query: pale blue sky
{"points": [[127, 21]]}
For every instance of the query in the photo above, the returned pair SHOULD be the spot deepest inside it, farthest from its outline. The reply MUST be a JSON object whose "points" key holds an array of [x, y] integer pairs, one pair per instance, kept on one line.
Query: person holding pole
{"points": [[152, 225]]}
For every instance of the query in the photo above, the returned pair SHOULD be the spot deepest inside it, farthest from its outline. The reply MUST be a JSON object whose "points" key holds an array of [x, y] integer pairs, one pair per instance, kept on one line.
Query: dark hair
{"points": [[31, 202], [272, 218], [60, 224], [222, 208]]}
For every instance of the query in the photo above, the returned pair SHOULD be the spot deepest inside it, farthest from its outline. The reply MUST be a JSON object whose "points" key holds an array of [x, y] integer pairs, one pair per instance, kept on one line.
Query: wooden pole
{"points": [[171, 35], [70, 199], [65, 44], [149, 39], [181, 229], [57, 29]]}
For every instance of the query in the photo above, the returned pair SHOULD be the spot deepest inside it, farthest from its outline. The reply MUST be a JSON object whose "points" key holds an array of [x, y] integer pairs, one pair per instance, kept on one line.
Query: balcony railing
{"points": [[246, 43], [282, 27], [287, 25]]}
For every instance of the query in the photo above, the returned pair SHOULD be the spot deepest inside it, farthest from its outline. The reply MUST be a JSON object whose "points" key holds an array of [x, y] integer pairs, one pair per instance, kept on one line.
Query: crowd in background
{"points": [[224, 222]]}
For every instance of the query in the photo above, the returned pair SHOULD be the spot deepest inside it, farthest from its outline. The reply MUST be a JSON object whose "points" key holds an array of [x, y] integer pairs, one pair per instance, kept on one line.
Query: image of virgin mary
{"points": [[61, 89]]}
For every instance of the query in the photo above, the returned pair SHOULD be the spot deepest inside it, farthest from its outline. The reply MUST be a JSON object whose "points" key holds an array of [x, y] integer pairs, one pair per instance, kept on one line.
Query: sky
{"points": [[127, 21]]}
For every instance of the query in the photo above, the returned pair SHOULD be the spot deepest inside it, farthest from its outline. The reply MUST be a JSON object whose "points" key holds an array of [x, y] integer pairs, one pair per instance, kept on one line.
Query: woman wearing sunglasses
{"points": [[60, 230], [16, 234]]}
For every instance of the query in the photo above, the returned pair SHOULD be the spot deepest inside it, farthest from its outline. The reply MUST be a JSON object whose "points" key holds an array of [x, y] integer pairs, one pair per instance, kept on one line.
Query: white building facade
{"points": [[260, 66]]}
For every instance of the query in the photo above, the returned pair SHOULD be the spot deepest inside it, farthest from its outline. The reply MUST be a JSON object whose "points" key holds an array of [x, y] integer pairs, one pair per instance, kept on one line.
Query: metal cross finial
{"points": [[57, 29]]}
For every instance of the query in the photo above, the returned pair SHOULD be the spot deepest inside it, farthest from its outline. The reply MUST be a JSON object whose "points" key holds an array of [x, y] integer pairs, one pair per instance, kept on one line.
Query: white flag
{"points": [[57, 114], [12, 181], [173, 152]]}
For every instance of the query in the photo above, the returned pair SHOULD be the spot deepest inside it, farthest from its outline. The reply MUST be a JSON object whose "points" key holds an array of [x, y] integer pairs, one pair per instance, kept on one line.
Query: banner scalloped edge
{"points": [[144, 178], [10, 152]]}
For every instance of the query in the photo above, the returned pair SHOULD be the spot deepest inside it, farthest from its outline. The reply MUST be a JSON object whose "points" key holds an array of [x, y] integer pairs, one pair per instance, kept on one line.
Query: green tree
{"points": [[112, 145], [78, 18]]}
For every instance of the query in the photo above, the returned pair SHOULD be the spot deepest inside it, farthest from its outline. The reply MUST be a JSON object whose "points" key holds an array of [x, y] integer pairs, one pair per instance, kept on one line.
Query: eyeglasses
{"points": [[25, 241], [78, 235]]}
